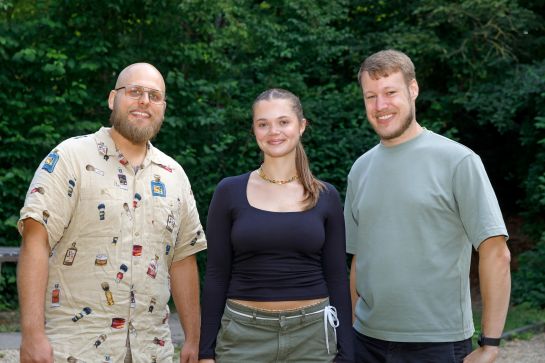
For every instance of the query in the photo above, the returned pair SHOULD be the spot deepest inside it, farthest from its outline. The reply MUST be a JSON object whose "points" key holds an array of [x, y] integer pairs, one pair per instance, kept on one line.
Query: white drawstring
{"points": [[330, 317]]}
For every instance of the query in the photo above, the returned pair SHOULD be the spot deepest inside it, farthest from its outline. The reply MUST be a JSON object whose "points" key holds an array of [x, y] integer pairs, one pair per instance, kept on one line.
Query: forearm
{"points": [[185, 292], [32, 275], [353, 291], [495, 284]]}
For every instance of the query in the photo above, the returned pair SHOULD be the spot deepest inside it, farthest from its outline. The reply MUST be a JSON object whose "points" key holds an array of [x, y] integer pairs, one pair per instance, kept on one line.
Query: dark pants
{"points": [[371, 350]]}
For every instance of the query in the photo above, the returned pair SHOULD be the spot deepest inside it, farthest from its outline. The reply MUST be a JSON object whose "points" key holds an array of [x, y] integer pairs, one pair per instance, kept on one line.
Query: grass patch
{"points": [[517, 317], [176, 358], [9, 321]]}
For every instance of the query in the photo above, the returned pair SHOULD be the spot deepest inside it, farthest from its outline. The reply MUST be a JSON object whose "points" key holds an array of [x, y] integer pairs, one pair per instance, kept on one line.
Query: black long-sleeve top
{"points": [[260, 255]]}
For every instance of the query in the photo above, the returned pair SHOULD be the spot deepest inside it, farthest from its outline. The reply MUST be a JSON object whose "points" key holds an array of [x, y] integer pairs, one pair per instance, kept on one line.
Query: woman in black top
{"points": [[276, 254]]}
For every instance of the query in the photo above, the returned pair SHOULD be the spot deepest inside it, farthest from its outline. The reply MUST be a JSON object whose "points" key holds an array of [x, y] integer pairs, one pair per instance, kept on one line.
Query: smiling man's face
{"points": [[390, 106], [137, 120]]}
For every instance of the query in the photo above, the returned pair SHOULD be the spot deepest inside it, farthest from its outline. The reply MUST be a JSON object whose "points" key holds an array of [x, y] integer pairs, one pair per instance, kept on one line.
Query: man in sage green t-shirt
{"points": [[415, 206]]}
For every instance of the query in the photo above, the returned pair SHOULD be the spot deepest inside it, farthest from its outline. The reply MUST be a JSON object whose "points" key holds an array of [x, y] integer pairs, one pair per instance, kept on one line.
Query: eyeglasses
{"points": [[135, 92]]}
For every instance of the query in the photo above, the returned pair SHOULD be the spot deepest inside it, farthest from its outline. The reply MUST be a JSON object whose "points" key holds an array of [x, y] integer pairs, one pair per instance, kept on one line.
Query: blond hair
{"points": [[386, 62]]}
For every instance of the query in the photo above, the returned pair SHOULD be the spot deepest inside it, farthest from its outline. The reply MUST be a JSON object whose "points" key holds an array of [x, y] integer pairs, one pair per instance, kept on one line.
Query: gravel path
{"points": [[9, 356], [516, 351], [524, 351]]}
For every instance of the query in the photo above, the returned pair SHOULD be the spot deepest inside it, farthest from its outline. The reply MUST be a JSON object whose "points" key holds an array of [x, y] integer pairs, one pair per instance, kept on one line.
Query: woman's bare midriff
{"points": [[278, 305]]}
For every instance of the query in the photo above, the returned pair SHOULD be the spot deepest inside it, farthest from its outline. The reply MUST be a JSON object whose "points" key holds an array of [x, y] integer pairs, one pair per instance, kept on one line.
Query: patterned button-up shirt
{"points": [[114, 234]]}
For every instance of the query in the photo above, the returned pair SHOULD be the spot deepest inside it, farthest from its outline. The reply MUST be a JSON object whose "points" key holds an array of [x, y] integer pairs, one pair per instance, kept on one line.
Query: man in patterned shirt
{"points": [[109, 226]]}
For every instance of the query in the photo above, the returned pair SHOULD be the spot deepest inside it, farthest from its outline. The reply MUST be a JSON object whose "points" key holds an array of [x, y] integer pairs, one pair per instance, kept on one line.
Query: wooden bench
{"points": [[8, 254]]}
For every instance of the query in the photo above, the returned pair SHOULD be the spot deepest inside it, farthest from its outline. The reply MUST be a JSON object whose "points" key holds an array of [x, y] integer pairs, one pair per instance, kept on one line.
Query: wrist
{"points": [[33, 338], [490, 350], [191, 343], [485, 341], [32, 331]]}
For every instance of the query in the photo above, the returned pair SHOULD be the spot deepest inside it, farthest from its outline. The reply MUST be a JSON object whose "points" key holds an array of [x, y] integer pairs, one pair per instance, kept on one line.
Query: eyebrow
{"points": [[387, 88], [277, 118], [151, 89]]}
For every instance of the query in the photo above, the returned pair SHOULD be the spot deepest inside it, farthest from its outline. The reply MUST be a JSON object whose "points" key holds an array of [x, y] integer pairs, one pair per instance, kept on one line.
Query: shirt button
{"points": [[137, 234]]}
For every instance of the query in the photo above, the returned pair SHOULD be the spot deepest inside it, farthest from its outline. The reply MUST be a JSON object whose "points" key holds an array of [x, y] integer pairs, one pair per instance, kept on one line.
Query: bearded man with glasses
{"points": [[112, 229]]}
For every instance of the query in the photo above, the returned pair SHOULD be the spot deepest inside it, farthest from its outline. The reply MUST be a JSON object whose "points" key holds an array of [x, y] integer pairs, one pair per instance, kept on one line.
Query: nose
{"points": [[144, 98], [381, 102], [273, 129]]}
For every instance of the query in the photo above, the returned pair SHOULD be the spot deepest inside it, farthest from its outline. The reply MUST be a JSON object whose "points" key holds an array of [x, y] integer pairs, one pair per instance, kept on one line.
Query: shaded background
{"points": [[480, 65]]}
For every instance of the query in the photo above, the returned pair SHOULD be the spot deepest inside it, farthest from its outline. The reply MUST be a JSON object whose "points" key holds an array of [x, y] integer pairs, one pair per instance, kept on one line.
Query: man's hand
{"points": [[36, 349], [485, 354], [189, 353]]}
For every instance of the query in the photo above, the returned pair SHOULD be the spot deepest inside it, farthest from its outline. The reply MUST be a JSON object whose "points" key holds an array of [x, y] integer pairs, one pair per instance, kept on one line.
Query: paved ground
{"points": [[9, 340]]}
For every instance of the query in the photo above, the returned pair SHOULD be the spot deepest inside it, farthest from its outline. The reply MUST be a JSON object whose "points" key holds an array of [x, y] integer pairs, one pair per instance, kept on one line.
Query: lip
{"points": [[385, 117], [140, 114], [275, 141]]}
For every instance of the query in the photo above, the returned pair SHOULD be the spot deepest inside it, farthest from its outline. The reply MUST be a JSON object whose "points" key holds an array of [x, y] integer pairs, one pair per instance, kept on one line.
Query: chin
{"points": [[279, 154]]}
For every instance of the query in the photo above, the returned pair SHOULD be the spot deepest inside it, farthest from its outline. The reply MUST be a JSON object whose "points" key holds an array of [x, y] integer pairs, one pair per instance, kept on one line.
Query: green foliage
{"points": [[518, 316], [8, 287], [529, 281], [480, 67]]}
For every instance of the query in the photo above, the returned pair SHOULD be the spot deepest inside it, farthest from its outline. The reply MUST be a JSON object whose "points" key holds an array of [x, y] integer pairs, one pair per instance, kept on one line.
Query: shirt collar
{"points": [[107, 148]]}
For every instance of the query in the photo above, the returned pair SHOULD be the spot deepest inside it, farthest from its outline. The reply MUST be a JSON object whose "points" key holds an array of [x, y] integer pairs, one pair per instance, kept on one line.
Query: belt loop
{"points": [[303, 315], [254, 315], [282, 321]]}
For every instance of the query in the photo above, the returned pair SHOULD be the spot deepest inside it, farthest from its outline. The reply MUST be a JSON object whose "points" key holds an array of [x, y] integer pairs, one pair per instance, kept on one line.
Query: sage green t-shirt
{"points": [[412, 213]]}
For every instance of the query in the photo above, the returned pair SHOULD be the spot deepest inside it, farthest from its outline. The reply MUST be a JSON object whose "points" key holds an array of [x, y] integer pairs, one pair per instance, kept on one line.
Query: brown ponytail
{"points": [[311, 185]]}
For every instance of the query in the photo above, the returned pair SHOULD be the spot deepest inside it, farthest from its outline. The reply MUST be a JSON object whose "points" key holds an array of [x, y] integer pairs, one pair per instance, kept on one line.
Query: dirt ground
{"points": [[524, 351]]}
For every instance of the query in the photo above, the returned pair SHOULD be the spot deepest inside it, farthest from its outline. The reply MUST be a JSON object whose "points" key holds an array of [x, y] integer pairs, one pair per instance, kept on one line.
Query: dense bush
{"points": [[529, 280], [480, 66]]}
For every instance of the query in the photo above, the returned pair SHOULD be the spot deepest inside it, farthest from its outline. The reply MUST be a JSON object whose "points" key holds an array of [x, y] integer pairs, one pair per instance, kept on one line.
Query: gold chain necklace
{"points": [[261, 173]]}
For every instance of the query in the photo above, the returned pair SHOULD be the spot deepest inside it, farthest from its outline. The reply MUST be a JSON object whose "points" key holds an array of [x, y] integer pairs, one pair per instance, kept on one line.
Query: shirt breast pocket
{"points": [[166, 219], [100, 213]]}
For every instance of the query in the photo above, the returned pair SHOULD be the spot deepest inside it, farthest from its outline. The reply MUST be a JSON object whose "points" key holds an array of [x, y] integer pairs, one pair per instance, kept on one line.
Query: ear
{"points": [[111, 99], [413, 89], [302, 126]]}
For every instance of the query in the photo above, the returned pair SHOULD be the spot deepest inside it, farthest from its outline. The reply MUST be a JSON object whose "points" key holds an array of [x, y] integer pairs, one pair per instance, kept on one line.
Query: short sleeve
{"points": [[477, 203], [191, 238], [53, 192]]}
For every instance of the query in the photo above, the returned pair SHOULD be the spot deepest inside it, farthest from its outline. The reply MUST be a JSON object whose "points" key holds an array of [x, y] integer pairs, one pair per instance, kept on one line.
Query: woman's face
{"points": [[276, 127]]}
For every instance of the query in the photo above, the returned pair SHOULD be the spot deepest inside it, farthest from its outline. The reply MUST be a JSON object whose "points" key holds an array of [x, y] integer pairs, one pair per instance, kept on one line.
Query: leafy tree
{"points": [[480, 66]]}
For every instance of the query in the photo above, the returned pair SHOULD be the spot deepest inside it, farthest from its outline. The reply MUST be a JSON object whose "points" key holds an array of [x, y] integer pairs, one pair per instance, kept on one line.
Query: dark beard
{"points": [[134, 134]]}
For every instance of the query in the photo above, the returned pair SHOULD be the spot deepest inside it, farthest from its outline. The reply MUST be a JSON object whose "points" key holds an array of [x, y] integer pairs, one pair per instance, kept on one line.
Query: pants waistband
{"points": [[255, 313], [318, 311]]}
